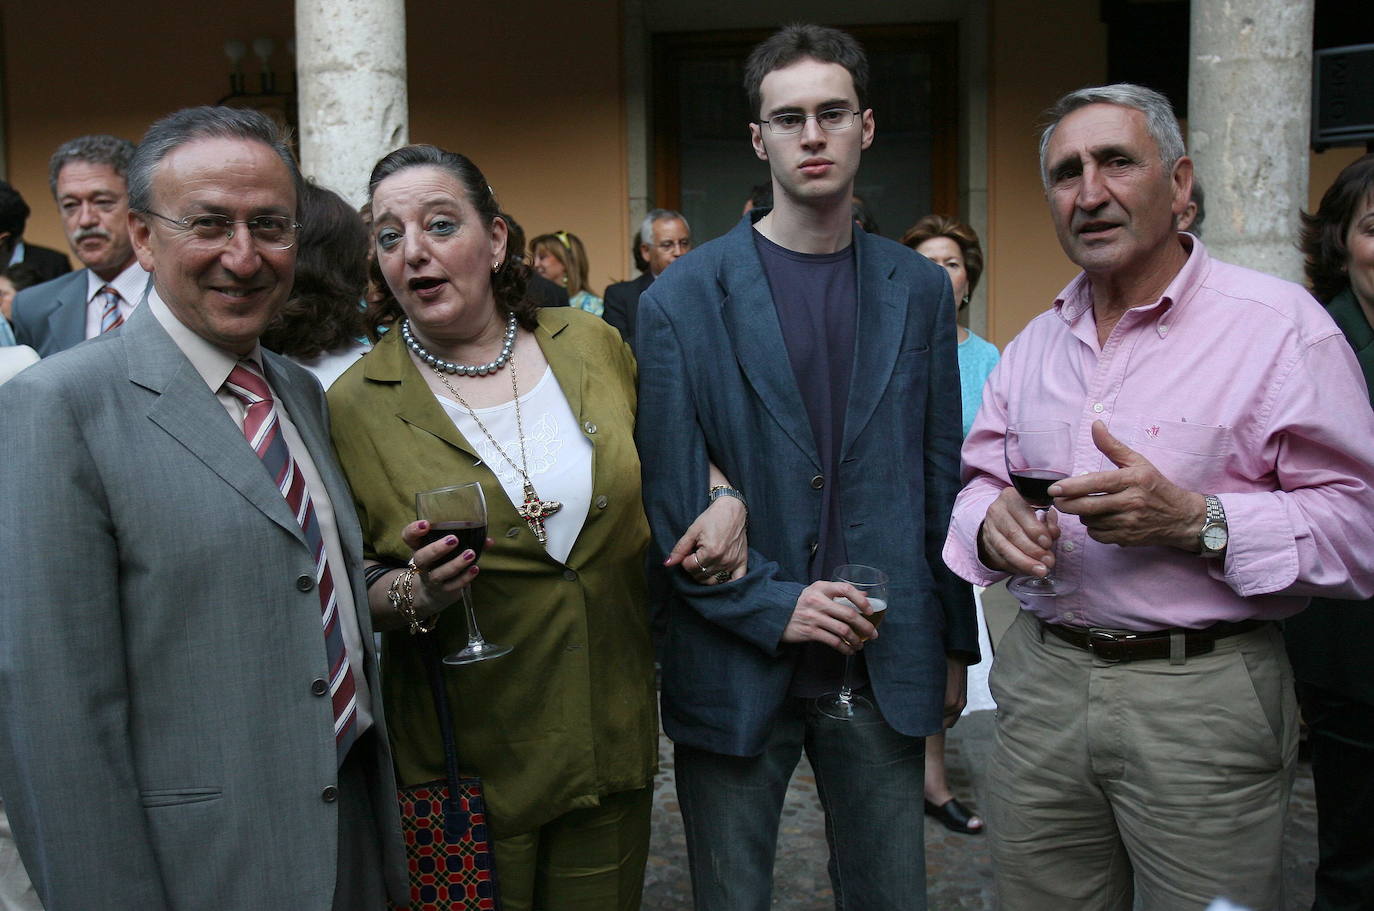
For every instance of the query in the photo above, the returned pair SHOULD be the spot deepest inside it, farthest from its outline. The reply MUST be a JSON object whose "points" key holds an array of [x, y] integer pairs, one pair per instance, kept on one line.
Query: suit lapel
{"points": [[752, 322], [389, 363], [188, 411], [67, 322], [878, 335]]}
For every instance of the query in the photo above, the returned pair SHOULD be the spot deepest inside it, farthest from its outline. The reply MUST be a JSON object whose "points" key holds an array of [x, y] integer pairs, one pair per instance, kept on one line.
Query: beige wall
{"points": [[1039, 52], [74, 67], [538, 87], [533, 93]]}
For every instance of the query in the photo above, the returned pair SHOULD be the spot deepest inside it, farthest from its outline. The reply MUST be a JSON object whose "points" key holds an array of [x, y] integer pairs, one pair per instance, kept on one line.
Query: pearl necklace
{"points": [[438, 363]]}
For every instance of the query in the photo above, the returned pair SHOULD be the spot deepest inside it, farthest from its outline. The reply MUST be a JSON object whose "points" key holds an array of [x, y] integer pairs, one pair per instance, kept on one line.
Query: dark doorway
{"points": [[704, 165]]}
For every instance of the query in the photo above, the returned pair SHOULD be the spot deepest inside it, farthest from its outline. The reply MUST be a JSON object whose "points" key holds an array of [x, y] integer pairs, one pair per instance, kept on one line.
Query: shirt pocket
{"points": [[1190, 455]]}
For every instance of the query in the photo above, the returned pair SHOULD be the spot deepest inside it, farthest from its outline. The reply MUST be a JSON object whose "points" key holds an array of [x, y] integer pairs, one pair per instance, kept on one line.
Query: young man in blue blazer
{"points": [[815, 364]]}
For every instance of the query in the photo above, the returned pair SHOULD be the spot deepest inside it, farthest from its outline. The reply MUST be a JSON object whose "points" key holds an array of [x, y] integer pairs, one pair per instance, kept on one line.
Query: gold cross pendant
{"points": [[536, 510]]}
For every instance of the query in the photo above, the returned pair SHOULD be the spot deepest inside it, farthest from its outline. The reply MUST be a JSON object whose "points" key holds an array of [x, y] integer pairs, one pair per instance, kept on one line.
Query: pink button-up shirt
{"points": [[1234, 383]]}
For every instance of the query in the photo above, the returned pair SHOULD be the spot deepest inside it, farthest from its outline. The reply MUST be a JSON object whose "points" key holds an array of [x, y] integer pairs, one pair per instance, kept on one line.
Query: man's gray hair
{"points": [[646, 227], [1160, 120], [192, 124], [97, 148]]}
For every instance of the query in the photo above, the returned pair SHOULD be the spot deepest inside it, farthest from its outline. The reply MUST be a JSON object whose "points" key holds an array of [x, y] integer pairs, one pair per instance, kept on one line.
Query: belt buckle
{"points": [[1104, 643]]}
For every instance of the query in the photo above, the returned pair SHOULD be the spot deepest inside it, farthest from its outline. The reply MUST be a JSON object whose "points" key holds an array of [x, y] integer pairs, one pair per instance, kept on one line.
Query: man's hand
{"points": [[818, 617], [1013, 539], [956, 690], [1135, 505]]}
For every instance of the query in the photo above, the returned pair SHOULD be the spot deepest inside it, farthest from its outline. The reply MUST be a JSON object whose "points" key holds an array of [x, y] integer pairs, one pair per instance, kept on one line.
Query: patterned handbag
{"points": [[444, 824]]}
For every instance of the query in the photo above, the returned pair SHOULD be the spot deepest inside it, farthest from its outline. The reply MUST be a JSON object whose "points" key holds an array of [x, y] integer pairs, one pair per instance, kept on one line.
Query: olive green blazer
{"points": [[568, 716]]}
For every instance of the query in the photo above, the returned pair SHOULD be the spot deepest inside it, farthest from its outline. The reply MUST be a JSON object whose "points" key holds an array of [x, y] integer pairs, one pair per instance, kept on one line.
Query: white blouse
{"points": [[560, 456]]}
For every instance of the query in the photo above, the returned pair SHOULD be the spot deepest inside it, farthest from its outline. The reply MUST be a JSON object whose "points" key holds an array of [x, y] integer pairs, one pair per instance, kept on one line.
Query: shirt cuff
{"points": [[961, 543], [1261, 547]]}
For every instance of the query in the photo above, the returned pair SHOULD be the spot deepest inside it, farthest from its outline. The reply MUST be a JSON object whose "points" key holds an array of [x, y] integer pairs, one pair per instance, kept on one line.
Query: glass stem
{"points": [[846, 694], [474, 634]]}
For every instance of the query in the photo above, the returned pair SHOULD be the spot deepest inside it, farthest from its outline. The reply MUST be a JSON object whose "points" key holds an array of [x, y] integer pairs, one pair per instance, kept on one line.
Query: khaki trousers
{"points": [[1169, 781]]}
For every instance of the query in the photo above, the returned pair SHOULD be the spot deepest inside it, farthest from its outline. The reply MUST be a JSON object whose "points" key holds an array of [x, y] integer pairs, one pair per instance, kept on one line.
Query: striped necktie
{"points": [[110, 317], [264, 434]]}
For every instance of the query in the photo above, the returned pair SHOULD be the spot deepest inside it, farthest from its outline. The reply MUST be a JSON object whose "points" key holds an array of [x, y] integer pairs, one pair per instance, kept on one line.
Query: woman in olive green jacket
{"points": [[563, 730]]}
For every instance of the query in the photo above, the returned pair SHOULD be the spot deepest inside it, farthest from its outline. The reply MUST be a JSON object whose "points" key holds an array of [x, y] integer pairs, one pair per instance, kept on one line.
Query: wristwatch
{"points": [[721, 490], [1214, 535]]}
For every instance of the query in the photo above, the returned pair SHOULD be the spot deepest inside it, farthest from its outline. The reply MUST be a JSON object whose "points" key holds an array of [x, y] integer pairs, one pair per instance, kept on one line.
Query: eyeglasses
{"points": [[668, 246], [276, 232], [830, 120]]}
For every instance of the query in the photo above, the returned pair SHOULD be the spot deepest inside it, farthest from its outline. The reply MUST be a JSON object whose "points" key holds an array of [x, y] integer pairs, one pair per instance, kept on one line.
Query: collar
{"points": [[130, 283], [211, 362], [1077, 298], [17, 256]]}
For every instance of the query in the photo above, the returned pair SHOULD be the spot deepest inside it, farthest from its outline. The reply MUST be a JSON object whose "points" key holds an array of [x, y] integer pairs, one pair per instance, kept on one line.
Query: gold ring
{"points": [[700, 568]]}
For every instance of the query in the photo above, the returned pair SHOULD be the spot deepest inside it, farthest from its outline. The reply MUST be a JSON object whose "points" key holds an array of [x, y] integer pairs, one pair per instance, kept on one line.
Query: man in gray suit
{"points": [[189, 706], [815, 364], [88, 178]]}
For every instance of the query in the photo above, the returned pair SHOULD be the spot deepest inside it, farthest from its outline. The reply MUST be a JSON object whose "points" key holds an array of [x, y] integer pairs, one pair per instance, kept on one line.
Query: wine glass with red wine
{"points": [[1038, 454], [844, 705], [460, 511]]}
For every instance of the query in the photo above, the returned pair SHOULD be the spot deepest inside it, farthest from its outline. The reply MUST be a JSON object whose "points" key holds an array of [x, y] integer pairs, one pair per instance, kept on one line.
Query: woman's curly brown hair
{"points": [[324, 311], [1324, 233], [510, 280]]}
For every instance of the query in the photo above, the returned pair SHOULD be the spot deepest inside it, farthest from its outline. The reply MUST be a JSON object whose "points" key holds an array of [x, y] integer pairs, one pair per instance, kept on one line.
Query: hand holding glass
{"points": [[460, 511], [844, 705], [1038, 454]]}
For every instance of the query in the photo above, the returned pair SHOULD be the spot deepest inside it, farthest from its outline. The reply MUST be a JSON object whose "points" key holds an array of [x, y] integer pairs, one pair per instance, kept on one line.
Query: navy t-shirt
{"points": [[816, 296]]}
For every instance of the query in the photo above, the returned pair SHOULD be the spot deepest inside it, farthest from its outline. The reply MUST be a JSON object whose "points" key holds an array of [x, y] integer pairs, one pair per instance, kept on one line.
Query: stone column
{"points": [[351, 76], [1249, 122]]}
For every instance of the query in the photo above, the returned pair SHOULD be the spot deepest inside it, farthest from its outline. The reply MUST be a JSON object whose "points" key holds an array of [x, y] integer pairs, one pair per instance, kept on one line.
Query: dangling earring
{"points": [[496, 265]]}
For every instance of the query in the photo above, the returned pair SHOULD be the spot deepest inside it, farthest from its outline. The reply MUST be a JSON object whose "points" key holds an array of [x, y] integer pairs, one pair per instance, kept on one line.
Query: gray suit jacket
{"points": [[160, 742], [715, 382], [51, 317]]}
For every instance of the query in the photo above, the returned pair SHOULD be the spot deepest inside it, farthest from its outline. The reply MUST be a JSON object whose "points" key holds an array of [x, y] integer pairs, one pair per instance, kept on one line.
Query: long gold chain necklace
{"points": [[534, 510]]}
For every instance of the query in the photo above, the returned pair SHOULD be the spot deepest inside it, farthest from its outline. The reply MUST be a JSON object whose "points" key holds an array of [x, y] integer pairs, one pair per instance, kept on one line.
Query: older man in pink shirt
{"points": [[1220, 475]]}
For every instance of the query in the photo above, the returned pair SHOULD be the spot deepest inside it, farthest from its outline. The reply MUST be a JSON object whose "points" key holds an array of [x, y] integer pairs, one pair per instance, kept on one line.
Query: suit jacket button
{"points": [[319, 686], [329, 794], [512, 531], [304, 582], [601, 502], [569, 575], [589, 427], [817, 482]]}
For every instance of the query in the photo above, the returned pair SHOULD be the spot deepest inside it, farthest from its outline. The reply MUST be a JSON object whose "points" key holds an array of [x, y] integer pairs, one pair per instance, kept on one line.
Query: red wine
{"points": [[470, 535], [1033, 484]]}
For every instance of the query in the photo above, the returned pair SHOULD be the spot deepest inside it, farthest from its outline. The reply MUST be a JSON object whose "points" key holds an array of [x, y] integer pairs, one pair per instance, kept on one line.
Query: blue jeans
{"points": [[870, 781]]}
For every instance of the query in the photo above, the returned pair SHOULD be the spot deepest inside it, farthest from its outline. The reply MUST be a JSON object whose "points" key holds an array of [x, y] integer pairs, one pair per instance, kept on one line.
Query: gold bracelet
{"points": [[401, 596]]}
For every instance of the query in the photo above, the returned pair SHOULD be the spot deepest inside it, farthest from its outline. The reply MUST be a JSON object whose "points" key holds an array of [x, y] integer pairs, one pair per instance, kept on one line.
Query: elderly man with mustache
{"points": [[87, 178]]}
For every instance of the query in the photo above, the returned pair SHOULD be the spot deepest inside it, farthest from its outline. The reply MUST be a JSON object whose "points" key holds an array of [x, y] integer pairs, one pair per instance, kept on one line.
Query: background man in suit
{"points": [[189, 705], [815, 364], [88, 178], [663, 237], [14, 217]]}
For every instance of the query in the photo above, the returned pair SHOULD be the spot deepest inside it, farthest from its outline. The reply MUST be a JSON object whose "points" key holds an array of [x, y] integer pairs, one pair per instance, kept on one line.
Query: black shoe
{"points": [[953, 816]]}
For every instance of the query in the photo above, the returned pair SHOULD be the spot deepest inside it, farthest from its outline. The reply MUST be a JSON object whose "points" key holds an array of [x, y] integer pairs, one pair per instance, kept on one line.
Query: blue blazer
{"points": [[51, 317], [716, 384]]}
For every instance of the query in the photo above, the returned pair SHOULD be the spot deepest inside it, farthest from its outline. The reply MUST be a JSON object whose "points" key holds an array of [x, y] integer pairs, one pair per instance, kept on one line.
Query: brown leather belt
{"points": [[1128, 645]]}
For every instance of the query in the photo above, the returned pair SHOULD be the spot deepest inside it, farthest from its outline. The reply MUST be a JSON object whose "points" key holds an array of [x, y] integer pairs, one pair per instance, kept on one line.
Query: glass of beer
{"points": [[844, 705]]}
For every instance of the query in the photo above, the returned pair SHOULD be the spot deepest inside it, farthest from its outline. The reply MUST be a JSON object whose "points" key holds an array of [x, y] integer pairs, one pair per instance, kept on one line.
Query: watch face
{"points": [[1214, 537]]}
